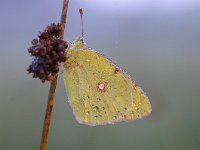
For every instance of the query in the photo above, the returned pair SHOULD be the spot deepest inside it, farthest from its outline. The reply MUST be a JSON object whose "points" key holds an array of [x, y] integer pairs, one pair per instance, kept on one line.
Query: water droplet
{"points": [[102, 77], [124, 116], [88, 97], [95, 117], [87, 60], [96, 108], [114, 117], [87, 113], [139, 110]]}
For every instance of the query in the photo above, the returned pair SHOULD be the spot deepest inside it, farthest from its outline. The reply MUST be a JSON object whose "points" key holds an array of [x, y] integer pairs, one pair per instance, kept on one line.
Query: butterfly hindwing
{"points": [[141, 106]]}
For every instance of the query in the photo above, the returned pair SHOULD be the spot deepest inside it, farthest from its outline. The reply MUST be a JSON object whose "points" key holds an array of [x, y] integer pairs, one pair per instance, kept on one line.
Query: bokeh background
{"points": [[156, 41]]}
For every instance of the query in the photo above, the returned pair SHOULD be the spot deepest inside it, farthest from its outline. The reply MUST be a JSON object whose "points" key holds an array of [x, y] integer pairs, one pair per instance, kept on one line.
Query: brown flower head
{"points": [[48, 52]]}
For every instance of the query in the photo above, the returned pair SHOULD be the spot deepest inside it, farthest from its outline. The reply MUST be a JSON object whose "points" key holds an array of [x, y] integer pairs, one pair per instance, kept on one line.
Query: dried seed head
{"points": [[48, 52]]}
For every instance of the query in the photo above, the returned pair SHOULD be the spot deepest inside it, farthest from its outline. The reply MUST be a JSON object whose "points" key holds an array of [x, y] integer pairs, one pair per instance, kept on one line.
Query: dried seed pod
{"points": [[48, 52]]}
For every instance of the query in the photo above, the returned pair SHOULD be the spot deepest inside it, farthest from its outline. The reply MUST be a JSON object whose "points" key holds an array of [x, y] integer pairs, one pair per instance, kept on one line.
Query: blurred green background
{"points": [[157, 42]]}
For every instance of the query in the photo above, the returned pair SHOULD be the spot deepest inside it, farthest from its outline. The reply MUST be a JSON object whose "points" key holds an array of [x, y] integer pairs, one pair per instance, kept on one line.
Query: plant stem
{"points": [[43, 145], [47, 120]]}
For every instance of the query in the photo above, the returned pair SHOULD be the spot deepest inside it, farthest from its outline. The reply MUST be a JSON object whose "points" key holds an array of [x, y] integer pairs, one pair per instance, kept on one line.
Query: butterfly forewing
{"points": [[98, 91]]}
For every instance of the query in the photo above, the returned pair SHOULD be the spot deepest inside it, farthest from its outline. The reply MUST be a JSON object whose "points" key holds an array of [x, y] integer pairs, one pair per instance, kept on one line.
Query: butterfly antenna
{"points": [[81, 15]]}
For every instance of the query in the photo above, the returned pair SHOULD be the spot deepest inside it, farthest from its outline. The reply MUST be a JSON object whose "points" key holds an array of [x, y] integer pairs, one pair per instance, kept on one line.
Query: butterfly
{"points": [[99, 91]]}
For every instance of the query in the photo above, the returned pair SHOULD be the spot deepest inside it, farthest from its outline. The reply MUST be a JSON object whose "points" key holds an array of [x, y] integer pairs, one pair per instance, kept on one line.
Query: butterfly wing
{"points": [[98, 91], [141, 106]]}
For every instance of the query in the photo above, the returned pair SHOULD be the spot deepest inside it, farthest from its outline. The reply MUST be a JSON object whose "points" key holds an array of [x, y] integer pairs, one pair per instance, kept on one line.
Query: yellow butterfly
{"points": [[100, 92]]}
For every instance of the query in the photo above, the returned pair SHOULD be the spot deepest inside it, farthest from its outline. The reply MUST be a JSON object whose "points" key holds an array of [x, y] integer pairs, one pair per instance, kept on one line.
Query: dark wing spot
{"points": [[116, 70]]}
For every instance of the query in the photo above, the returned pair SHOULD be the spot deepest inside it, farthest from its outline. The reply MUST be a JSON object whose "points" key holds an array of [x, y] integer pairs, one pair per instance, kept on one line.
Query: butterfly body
{"points": [[100, 92]]}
